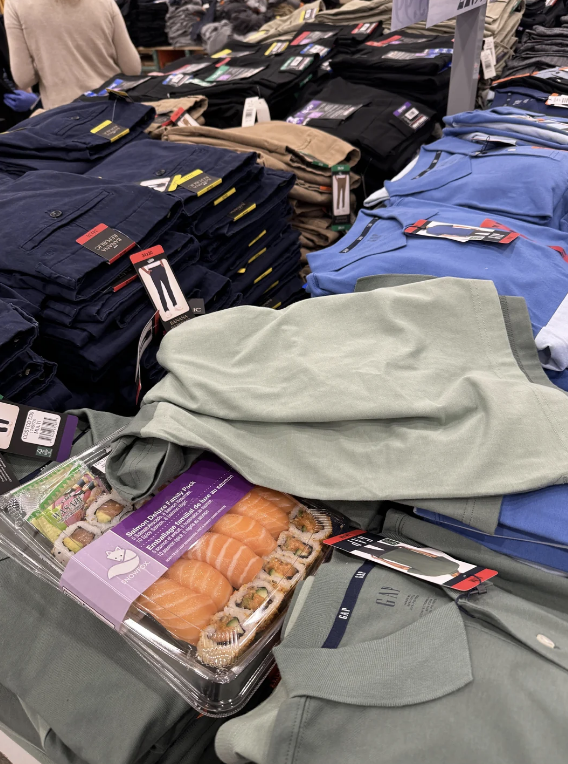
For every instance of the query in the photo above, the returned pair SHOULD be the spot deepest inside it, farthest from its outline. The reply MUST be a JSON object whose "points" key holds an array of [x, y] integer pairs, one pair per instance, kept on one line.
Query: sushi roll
{"points": [[291, 545], [226, 637], [107, 511], [73, 539], [282, 571], [310, 524], [260, 598]]}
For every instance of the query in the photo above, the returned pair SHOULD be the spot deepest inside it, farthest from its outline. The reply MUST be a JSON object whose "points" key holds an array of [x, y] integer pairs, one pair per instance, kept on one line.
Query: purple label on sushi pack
{"points": [[109, 574]]}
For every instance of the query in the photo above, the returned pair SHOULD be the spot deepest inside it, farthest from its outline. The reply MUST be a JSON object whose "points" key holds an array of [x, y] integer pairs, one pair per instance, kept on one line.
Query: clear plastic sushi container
{"points": [[197, 578]]}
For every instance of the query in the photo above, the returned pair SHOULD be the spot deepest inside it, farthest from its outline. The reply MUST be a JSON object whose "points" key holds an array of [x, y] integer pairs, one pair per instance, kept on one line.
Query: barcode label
{"points": [[249, 111], [41, 428]]}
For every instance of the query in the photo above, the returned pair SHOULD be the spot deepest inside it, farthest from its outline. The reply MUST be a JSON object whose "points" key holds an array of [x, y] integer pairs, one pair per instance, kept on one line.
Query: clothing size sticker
{"points": [[110, 130], [306, 37], [230, 73], [296, 64], [323, 110], [403, 55], [410, 116], [276, 48], [461, 233], [312, 49], [364, 29], [106, 242], [425, 563]]}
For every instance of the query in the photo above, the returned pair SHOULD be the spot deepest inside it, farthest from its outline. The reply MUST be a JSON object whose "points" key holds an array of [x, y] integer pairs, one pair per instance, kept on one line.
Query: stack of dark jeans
{"points": [[241, 224], [26, 377], [72, 138], [416, 67], [91, 310]]}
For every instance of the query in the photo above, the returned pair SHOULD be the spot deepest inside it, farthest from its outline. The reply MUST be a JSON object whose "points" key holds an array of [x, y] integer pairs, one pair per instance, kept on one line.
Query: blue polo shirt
{"points": [[466, 174], [533, 265]]}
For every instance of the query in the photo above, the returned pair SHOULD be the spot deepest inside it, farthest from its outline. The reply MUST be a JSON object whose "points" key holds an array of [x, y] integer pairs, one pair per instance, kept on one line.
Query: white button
{"points": [[545, 640]]}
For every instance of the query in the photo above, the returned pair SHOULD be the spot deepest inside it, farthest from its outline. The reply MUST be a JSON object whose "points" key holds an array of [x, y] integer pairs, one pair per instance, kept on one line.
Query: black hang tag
{"points": [[116, 94], [8, 480], [110, 130], [106, 242], [36, 433], [201, 184]]}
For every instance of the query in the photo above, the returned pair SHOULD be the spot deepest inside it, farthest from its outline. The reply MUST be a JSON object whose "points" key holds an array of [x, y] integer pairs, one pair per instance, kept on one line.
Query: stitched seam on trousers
{"points": [[135, 464], [298, 745]]}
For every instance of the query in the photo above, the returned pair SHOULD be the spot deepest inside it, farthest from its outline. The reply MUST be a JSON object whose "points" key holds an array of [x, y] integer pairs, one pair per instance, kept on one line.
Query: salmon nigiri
{"points": [[263, 511], [182, 612], [247, 530], [203, 579], [282, 501], [232, 558]]}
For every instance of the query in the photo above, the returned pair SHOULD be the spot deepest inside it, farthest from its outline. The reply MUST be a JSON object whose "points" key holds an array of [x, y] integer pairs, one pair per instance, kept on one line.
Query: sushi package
{"points": [[198, 578]]}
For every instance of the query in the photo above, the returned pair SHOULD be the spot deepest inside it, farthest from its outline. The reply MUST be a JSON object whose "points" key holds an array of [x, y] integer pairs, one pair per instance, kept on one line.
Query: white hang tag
{"points": [[186, 120], [557, 100], [262, 111], [249, 111], [488, 59]]}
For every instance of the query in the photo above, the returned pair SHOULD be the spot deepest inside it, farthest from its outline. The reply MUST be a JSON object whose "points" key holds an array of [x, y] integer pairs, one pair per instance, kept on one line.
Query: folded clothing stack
{"points": [[386, 128], [242, 72], [308, 153], [502, 19], [540, 48], [72, 138], [26, 377], [241, 223], [181, 17], [506, 125], [542, 13], [416, 67], [87, 305], [533, 91]]}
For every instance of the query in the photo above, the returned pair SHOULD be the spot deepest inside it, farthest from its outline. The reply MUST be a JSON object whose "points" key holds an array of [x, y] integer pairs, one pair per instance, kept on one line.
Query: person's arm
{"points": [[21, 61], [127, 55]]}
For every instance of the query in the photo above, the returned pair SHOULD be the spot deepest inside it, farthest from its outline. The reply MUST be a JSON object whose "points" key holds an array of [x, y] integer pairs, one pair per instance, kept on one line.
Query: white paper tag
{"points": [[558, 100], [249, 111], [158, 184], [488, 59], [186, 120], [262, 111], [41, 428]]}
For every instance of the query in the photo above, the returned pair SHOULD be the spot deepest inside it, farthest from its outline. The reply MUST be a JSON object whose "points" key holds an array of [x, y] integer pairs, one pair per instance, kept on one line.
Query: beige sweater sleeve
{"points": [[21, 61], [127, 55]]}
